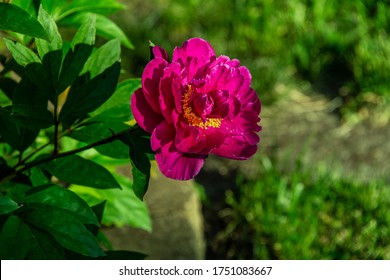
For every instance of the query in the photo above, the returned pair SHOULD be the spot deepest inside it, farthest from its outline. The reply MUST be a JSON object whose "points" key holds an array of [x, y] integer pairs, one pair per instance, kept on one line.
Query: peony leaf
{"points": [[14, 18], [88, 172]]}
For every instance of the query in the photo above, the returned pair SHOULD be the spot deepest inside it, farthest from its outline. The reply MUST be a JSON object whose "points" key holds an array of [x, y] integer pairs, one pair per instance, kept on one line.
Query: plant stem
{"points": [[107, 140]]}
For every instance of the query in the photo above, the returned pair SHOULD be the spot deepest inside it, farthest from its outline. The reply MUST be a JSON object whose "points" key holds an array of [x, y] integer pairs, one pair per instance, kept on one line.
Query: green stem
{"points": [[107, 140]]}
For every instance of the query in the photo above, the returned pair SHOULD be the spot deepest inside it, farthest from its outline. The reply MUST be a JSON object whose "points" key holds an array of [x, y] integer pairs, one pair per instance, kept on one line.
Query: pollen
{"points": [[192, 118]]}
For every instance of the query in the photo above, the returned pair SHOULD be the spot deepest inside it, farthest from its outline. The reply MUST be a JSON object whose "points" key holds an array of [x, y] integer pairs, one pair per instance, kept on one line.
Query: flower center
{"points": [[205, 105]]}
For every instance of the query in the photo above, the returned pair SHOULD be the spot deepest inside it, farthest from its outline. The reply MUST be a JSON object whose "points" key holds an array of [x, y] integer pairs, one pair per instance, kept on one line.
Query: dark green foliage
{"points": [[49, 89]]}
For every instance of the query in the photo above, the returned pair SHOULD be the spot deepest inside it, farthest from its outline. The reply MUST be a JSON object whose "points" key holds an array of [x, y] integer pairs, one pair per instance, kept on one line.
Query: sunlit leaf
{"points": [[88, 172], [55, 40], [64, 199], [122, 206], [78, 54], [105, 27], [21, 53], [7, 205], [60, 9], [13, 18], [103, 58]]}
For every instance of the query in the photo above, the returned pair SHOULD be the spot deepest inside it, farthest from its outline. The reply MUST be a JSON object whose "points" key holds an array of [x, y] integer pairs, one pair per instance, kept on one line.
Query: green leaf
{"points": [[18, 20], [103, 58], [55, 40], [50, 52], [38, 177], [121, 97], [105, 27], [7, 85], [102, 126], [86, 33], [15, 239], [122, 206], [20, 53], [88, 97], [65, 228], [30, 104], [100, 130], [77, 170], [139, 147], [19, 138], [43, 246], [79, 52], [30, 7], [32, 116], [59, 197], [7, 205], [60, 9]]}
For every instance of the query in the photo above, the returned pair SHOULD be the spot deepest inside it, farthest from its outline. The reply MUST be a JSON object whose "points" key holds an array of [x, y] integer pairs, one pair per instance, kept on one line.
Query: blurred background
{"points": [[319, 186]]}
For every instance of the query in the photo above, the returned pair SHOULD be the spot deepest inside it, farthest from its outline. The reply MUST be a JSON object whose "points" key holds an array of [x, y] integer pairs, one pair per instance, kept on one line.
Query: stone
{"points": [[177, 222]]}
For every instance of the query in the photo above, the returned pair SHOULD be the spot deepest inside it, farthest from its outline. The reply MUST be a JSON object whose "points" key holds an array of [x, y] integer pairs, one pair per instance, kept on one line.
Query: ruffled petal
{"points": [[235, 147], [171, 162], [151, 76], [146, 118], [191, 139], [194, 48], [159, 52]]}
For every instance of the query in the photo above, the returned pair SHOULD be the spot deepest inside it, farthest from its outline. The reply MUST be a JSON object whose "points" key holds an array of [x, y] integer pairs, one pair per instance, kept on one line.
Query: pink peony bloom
{"points": [[196, 105]]}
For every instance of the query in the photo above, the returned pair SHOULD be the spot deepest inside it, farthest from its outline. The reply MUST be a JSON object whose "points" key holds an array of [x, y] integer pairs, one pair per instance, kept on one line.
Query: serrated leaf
{"points": [[7, 205], [105, 27], [64, 199], [22, 55], [15, 19], [55, 40], [14, 234], [77, 170], [103, 58], [66, 229]]}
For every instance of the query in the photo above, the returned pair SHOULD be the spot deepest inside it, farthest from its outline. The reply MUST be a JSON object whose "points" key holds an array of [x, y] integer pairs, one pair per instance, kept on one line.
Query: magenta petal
{"points": [[171, 162], [160, 52], [151, 76], [235, 147], [143, 113], [193, 48]]}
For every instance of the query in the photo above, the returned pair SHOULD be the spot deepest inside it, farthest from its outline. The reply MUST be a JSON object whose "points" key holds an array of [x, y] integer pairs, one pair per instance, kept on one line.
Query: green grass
{"points": [[310, 214]]}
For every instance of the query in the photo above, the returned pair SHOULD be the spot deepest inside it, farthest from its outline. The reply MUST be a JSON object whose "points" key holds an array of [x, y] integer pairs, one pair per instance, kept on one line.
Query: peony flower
{"points": [[196, 105]]}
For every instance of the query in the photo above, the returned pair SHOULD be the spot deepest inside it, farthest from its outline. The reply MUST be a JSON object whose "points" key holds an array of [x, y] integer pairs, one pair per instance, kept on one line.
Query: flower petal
{"points": [[194, 48], [159, 52], [235, 147], [171, 162], [151, 76], [146, 118]]}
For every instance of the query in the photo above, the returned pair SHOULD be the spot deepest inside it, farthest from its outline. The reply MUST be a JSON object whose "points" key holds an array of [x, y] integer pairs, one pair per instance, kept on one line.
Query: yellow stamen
{"points": [[192, 118]]}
